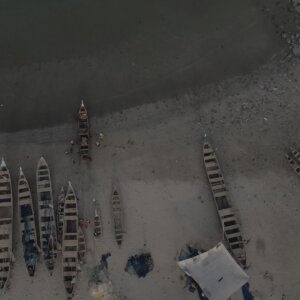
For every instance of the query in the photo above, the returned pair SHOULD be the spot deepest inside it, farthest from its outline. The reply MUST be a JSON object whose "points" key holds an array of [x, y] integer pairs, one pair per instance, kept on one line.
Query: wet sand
{"points": [[118, 54], [154, 153]]}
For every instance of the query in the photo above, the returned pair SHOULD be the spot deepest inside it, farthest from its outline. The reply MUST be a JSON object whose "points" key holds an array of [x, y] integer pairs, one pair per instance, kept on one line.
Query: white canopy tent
{"points": [[216, 272]]}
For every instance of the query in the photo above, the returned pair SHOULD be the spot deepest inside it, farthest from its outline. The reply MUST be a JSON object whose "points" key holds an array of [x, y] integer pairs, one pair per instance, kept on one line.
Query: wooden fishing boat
{"points": [[231, 229], [6, 226], [97, 224], [293, 163], [70, 241], [27, 224], [47, 226], [117, 215], [81, 246], [60, 214], [83, 131], [295, 153]]}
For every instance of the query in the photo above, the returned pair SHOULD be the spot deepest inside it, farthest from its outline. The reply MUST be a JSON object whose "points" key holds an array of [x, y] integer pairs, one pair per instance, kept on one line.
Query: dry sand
{"points": [[154, 154]]}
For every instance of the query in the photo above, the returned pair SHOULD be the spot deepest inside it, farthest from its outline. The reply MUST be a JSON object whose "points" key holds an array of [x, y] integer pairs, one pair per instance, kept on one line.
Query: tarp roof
{"points": [[216, 272]]}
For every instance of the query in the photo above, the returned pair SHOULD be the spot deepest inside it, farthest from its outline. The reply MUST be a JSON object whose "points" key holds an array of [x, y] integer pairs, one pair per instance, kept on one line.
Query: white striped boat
{"points": [[117, 214], [70, 241], [81, 246], [6, 226], [83, 131], [231, 229], [295, 153], [47, 226], [294, 164], [97, 224], [60, 214], [27, 224]]}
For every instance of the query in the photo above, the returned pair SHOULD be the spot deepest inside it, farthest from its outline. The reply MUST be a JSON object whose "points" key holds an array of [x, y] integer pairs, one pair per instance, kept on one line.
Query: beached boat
{"points": [[70, 241], [97, 224], [117, 214], [231, 229], [83, 131], [6, 224], [81, 246], [47, 225], [296, 154], [294, 164], [27, 224], [60, 214]]}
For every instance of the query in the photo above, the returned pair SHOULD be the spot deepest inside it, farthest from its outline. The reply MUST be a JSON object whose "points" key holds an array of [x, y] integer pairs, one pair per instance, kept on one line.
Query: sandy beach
{"points": [[153, 152], [154, 86]]}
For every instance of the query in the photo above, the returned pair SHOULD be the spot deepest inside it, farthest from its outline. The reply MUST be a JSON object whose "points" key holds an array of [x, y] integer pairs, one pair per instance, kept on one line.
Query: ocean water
{"points": [[119, 53]]}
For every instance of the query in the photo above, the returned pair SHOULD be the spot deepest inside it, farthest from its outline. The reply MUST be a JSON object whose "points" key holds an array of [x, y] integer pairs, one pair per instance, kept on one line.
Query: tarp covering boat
{"points": [[216, 272]]}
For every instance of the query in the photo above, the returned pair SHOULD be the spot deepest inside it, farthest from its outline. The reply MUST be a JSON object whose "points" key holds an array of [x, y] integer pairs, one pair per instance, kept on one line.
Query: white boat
{"points": [[70, 241], [47, 226], [6, 226], [27, 224], [117, 214]]}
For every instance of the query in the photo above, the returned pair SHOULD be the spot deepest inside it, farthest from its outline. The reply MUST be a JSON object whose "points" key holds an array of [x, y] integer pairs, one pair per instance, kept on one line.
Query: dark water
{"points": [[117, 54]]}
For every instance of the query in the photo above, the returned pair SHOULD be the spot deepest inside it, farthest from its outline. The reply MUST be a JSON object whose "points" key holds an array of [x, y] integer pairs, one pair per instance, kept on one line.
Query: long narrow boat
{"points": [[231, 229], [27, 224], [6, 224], [296, 154], [97, 224], [81, 246], [83, 131], [47, 226], [60, 214], [294, 165], [70, 241], [117, 214]]}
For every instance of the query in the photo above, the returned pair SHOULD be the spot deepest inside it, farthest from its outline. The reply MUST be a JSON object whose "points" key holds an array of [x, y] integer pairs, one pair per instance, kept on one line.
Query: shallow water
{"points": [[118, 54]]}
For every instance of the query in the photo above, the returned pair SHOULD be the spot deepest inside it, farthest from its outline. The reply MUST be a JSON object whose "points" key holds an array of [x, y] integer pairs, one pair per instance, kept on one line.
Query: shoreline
{"points": [[154, 152]]}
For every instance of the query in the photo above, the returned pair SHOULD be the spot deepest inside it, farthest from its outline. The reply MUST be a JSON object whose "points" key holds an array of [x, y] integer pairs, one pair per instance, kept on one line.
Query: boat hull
{"points": [[117, 214], [27, 225], [6, 226], [47, 226], [230, 226], [83, 132], [70, 241]]}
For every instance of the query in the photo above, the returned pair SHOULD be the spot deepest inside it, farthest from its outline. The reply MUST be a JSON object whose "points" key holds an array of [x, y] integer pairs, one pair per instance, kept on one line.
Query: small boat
{"points": [[83, 131], [47, 226], [294, 165], [27, 224], [81, 246], [231, 229], [117, 215], [70, 241], [6, 226], [296, 154], [97, 224], [60, 214]]}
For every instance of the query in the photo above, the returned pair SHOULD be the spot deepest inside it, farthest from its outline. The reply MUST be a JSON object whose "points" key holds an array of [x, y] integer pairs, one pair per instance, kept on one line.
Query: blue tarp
{"points": [[246, 292]]}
